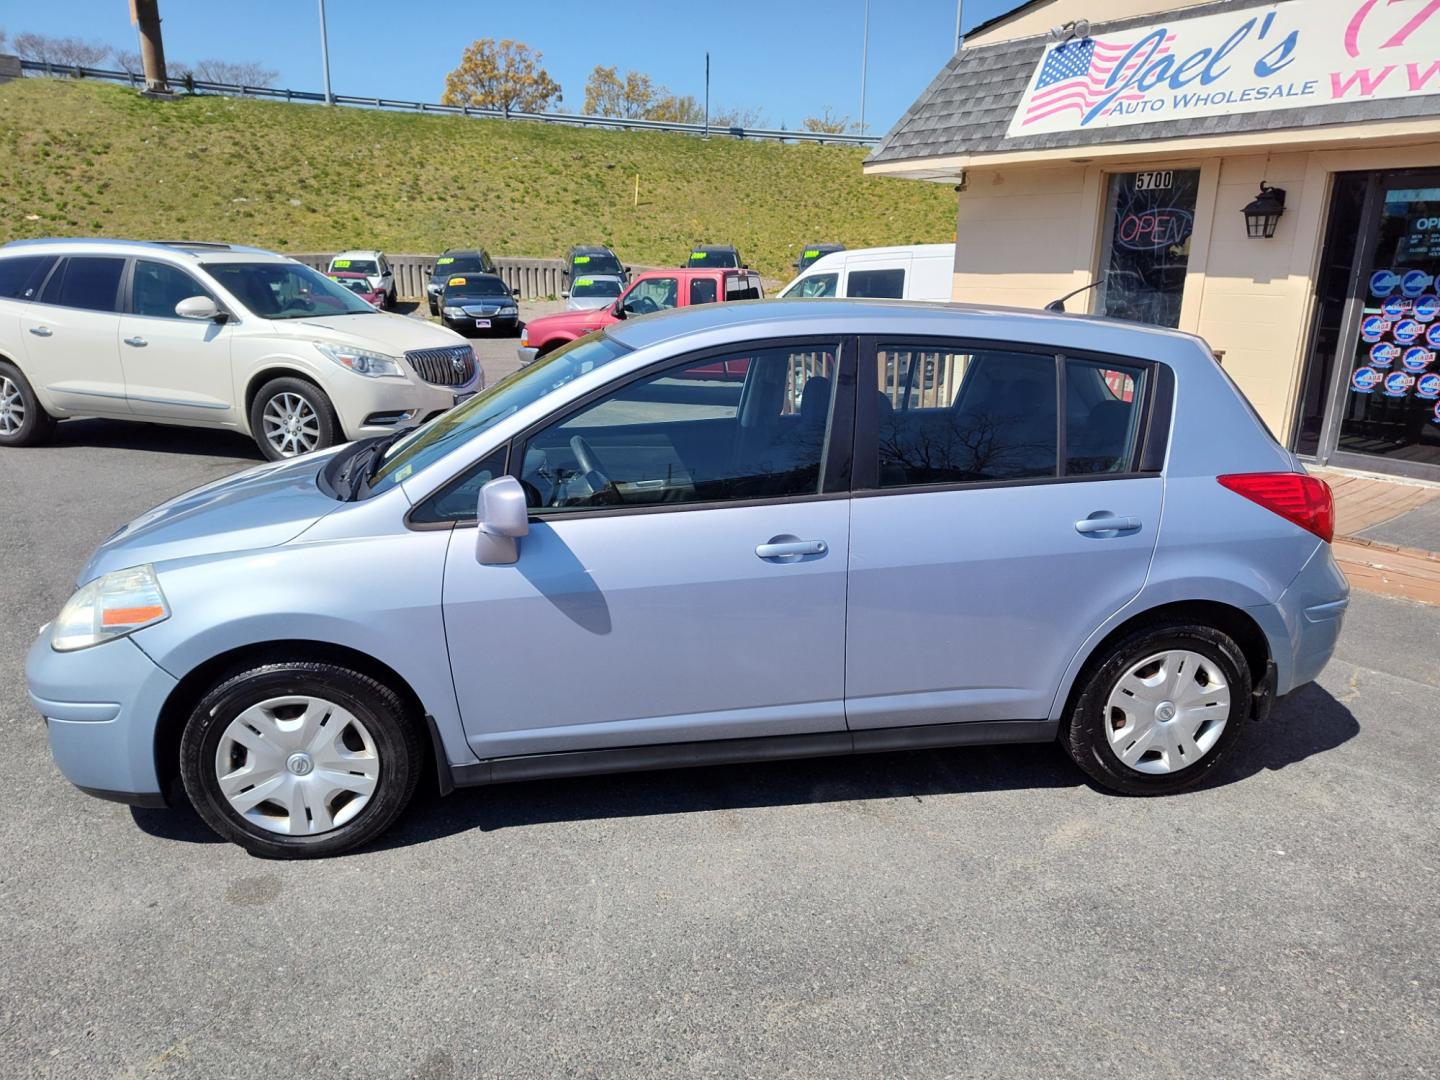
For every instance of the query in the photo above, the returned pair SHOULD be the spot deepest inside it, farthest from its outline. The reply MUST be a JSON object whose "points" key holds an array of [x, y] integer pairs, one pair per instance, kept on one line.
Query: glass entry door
{"points": [[1383, 409]]}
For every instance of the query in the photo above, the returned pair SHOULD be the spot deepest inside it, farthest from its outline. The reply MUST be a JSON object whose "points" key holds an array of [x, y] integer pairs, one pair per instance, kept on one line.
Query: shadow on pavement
{"points": [[1307, 723], [136, 435]]}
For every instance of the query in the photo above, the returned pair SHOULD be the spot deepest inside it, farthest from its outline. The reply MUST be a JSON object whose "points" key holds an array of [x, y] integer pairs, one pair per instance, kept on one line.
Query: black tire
{"points": [[36, 425], [327, 422], [396, 739], [434, 307], [391, 299], [1083, 731]]}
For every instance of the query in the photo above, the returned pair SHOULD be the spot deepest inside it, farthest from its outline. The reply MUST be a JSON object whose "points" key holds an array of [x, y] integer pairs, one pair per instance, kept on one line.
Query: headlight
{"points": [[362, 361], [524, 336], [508, 309], [455, 312], [109, 607]]}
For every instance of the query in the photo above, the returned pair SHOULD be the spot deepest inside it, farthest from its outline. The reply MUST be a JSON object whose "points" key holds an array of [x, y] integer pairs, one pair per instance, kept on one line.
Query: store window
{"points": [[1149, 219]]}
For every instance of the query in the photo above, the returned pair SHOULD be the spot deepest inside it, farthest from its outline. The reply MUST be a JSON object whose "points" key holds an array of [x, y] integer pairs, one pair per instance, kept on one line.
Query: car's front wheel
{"points": [[1159, 709], [301, 759], [23, 420], [290, 417]]}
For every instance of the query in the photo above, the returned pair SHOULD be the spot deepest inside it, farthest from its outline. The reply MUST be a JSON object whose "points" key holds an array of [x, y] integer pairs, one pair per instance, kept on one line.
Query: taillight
{"points": [[1305, 500]]}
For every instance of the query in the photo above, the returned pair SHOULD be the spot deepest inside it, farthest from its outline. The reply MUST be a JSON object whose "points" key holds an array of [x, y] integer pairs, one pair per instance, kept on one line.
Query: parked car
{"points": [[593, 291], [914, 272], [455, 261], [594, 260], [475, 302], [360, 285], [374, 266], [906, 575], [654, 290], [810, 252], [210, 335], [715, 257]]}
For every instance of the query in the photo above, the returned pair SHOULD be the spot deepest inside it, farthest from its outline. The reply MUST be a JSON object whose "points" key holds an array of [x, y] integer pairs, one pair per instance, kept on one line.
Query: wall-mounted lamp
{"points": [[1079, 28], [1263, 213]]}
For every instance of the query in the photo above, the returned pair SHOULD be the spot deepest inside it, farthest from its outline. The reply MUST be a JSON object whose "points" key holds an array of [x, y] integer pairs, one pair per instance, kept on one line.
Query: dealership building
{"points": [[1266, 175]]}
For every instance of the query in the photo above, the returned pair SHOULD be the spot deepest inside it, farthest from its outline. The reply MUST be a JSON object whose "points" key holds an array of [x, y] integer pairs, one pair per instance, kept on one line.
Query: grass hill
{"points": [[98, 160]]}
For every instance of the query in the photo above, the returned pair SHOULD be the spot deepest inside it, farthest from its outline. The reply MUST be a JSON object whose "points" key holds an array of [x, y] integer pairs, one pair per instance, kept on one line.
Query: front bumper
{"points": [[467, 322], [527, 354], [361, 398], [101, 706]]}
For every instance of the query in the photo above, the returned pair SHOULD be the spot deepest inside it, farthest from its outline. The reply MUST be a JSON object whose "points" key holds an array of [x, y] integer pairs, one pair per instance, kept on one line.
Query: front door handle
{"points": [[138, 342], [41, 331], [1105, 522], [788, 549]]}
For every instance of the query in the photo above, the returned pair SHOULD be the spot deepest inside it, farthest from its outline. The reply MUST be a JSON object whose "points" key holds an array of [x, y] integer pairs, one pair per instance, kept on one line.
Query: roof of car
{"points": [[195, 249], [713, 247], [463, 251], [363, 253], [842, 316], [591, 249]]}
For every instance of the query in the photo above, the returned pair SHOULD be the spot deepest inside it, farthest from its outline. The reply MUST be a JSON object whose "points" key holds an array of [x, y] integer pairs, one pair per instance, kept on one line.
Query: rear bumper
{"points": [[101, 706], [1304, 624]]}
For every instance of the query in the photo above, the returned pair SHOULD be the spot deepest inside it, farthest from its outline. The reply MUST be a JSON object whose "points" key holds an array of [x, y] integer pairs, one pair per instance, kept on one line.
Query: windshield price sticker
{"points": [[446, 261], [456, 281], [813, 253], [340, 264], [1155, 181], [585, 281], [581, 259]]}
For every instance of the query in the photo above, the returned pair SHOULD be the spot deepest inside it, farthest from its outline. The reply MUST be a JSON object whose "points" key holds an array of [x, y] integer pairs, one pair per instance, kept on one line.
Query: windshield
{"points": [[355, 266], [355, 285], [812, 286], [596, 264], [484, 285], [282, 290], [589, 287], [721, 257], [428, 444], [458, 264]]}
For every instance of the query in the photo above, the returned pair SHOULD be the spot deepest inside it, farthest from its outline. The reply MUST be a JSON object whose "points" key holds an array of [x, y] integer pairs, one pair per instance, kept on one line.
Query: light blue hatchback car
{"points": [[728, 533]]}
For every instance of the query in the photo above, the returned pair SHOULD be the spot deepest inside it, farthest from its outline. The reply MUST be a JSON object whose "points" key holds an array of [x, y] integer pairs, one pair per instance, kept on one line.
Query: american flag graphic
{"points": [[1074, 76]]}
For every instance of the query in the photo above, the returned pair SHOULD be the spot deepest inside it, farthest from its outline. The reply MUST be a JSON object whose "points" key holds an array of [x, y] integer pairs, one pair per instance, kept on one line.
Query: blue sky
{"points": [[789, 58]]}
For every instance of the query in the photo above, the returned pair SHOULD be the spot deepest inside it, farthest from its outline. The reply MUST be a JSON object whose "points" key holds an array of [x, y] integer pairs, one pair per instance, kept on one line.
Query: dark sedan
{"points": [[471, 303]]}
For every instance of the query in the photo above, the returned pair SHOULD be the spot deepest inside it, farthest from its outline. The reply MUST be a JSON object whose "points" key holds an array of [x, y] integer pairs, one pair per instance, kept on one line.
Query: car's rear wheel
{"points": [[1159, 709], [23, 420], [298, 760], [290, 417]]}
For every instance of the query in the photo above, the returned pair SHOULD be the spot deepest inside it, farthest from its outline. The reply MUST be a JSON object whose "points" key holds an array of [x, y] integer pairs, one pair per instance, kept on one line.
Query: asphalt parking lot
{"points": [[961, 913]]}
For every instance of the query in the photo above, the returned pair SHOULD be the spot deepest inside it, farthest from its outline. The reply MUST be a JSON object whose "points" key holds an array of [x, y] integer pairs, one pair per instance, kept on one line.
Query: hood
{"points": [[588, 303], [571, 322], [257, 508], [390, 334]]}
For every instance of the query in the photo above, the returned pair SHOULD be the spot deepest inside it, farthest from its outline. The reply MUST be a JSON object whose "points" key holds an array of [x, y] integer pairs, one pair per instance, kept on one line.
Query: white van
{"points": [[913, 272]]}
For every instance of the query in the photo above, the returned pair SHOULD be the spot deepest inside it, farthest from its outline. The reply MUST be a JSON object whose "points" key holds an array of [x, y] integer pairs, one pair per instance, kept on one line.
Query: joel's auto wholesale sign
{"points": [[1282, 56]]}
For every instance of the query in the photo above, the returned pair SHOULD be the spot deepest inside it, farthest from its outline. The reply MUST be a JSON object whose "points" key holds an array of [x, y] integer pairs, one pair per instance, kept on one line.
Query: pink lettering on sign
{"points": [[1397, 39], [1368, 85]]}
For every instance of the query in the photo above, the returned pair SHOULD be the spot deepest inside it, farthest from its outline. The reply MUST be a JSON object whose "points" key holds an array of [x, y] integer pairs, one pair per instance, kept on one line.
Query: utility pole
{"points": [[959, 38], [325, 55], [707, 94], [864, 64], [145, 16]]}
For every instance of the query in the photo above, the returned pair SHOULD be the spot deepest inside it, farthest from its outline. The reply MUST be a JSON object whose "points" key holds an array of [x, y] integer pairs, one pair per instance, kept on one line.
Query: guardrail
{"points": [[201, 86]]}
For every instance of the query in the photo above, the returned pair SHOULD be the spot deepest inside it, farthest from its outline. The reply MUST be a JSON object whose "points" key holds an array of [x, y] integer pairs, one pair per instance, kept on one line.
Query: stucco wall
{"points": [[1039, 18]]}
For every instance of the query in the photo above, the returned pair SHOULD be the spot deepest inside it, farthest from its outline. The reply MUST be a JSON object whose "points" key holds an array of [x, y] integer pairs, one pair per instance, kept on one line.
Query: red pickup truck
{"points": [[654, 290]]}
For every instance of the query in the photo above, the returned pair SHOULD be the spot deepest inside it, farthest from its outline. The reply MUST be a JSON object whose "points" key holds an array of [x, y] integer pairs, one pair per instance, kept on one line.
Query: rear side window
{"points": [[157, 287], [742, 287], [949, 417], [704, 291], [20, 277], [90, 283], [1103, 405], [877, 284]]}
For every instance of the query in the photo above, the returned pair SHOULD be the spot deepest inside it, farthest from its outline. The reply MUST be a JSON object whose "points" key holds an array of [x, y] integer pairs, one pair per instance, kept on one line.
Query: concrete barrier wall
{"points": [[535, 278]]}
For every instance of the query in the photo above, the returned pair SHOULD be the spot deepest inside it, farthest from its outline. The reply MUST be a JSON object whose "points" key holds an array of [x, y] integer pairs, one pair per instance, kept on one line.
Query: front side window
{"points": [[816, 285], [746, 425], [703, 291], [20, 277], [1149, 218], [950, 417], [282, 290], [652, 294], [429, 443], [877, 284], [157, 287], [91, 283]]}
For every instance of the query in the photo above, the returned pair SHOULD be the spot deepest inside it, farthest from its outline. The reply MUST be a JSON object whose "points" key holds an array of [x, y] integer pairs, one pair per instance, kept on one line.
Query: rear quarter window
{"points": [[21, 276]]}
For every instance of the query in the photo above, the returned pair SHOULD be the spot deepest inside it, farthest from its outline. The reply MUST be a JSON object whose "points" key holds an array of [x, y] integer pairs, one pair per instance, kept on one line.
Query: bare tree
{"points": [[248, 73], [66, 52], [737, 116], [829, 123], [128, 61], [2, 39]]}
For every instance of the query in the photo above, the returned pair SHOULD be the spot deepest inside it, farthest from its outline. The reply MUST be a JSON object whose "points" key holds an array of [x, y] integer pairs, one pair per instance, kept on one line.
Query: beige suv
{"points": [[211, 335]]}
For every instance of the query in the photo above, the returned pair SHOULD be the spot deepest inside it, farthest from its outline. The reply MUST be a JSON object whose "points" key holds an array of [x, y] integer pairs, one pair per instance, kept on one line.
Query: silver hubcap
{"points": [[1167, 712], [297, 765], [291, 425], [12, 407]]}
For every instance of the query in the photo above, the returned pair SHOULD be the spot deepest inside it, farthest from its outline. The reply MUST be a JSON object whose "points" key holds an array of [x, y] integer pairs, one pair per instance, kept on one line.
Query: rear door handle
{"points": [[1106, 523], [41, 331], [138, 342], [790, 550]]}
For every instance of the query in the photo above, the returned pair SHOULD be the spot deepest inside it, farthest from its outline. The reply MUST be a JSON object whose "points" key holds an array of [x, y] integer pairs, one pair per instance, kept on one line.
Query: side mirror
{"points": [[564, 296], [503, 519], [197, 307], [628, 270], [619, 309], [515, 292]]}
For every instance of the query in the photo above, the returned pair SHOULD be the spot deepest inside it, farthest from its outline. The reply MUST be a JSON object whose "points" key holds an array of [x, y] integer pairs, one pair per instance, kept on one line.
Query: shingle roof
{"points": [[968, 107]]}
